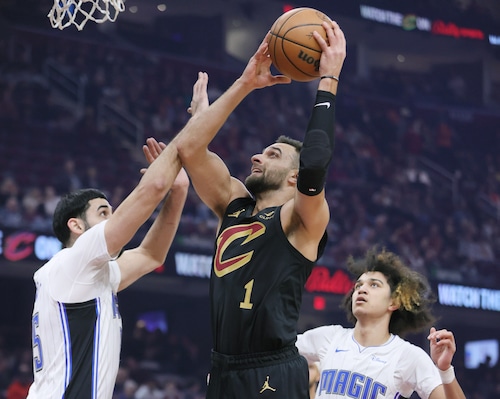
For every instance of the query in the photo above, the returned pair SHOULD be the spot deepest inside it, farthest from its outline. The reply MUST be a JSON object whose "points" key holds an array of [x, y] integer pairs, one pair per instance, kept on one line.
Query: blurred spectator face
{"points": [[25, 376], [12, 204], [129, 388], [9, 185]]}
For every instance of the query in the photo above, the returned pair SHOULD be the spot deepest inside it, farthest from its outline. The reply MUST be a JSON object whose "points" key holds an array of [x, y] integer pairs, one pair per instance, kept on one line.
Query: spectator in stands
{"points": [[9, 111], [129, 390], [149, 389], [6, 373], [122, 377], [415, 176], [91, 178], [69, 179], [9, 188], [457, 88], [19, 387], [33, 198], [11, 214], [171, 390], [161, 120], [50, 200]]}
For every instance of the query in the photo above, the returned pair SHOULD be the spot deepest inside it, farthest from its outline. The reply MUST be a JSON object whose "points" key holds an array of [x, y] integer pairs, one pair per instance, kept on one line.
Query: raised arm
{"points": [[309, 208], [209, 175], [138, 206], [153, 249]]}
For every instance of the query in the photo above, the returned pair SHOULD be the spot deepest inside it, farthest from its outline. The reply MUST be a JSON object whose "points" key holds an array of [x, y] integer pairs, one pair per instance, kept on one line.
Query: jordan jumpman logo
{"points": [[267, 386]]}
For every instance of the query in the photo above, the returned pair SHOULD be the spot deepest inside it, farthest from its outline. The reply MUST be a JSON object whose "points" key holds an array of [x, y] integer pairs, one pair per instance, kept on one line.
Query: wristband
{"points": [[330, 77], [447, 376]]}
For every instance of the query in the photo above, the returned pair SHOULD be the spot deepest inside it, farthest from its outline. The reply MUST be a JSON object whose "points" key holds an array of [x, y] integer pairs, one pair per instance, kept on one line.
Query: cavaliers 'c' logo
{"points": [[228, 236]]}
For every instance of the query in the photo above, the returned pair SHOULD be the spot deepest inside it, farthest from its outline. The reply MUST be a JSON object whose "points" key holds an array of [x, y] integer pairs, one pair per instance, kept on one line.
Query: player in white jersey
{"points": [[371, 360], [76, 323]]}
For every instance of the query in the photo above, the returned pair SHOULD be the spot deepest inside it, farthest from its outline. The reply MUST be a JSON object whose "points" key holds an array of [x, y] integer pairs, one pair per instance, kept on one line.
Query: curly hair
{"points": [[409, 289]]}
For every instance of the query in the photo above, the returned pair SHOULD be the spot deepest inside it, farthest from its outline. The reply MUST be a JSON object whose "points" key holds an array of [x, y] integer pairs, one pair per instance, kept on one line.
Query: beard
{"points": [[258, 184], [86, 224]]}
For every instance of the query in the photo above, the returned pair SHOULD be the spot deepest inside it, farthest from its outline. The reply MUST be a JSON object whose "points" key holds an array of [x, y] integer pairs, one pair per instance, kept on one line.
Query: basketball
{"points": [[292, 47]]}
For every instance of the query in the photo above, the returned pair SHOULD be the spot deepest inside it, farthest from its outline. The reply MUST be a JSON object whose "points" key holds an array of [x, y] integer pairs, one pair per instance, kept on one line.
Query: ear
{"points": [[292, 177], [76, 226], [393, 306]]}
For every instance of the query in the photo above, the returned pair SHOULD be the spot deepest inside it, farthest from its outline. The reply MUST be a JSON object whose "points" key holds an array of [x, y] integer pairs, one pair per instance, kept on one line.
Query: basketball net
{"points": [[77, 12]]}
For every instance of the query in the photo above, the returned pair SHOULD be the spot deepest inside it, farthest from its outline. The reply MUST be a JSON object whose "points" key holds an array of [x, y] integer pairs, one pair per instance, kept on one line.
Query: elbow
{"points": [[157, 262], [187, 154], [155, 189], [187, 148]]}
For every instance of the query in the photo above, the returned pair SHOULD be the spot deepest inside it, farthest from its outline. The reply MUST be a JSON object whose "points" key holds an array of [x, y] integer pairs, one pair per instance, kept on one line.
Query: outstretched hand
{"points": [[152, 150], [199, 102], [257, 73], [443, 347]]}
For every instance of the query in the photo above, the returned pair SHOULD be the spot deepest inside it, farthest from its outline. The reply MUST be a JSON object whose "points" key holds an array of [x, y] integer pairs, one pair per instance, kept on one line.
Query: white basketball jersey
{"points": [[348, 370], [76, 323]]}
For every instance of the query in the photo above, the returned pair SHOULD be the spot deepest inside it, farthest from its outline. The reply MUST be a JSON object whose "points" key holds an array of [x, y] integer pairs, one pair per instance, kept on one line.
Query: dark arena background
{"points": [[416, 166]]}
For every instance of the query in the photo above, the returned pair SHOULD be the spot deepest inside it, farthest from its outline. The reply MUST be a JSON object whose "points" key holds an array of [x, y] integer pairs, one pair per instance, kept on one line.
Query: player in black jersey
{"points": [[271, 230]]}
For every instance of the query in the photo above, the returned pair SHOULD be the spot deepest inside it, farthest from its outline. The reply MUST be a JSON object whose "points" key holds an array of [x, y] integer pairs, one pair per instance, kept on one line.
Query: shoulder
{"points": [[315, 343], [239, 207], [326, 333], [93, 235], [416, 371], [241, 201], [414, 356]]}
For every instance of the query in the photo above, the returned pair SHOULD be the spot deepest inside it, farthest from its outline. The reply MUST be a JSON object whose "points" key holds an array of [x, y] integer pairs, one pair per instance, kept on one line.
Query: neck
{"points": [[269, 199], [371, 334]]}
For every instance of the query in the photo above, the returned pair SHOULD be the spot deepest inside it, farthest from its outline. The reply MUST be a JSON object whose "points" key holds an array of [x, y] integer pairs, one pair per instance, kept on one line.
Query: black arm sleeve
{"points": [[323, 116], [317, 148]]}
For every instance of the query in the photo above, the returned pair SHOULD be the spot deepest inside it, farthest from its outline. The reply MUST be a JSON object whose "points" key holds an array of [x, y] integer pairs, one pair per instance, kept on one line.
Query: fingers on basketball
{"points": [[292, 47]]}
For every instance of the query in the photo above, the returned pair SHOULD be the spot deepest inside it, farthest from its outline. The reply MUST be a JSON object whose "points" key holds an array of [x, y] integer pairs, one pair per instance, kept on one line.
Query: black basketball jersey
{"points": [[257, 281]]}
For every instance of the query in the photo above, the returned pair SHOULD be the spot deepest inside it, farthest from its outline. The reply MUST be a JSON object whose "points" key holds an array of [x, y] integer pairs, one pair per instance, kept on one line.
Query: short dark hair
{"points": [[294, 143], [72, 205], [408, 288], [288, 140]]}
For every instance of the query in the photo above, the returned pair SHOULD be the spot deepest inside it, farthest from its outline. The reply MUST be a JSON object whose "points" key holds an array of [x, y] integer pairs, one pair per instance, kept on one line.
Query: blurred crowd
{"points": [[415, 169]]}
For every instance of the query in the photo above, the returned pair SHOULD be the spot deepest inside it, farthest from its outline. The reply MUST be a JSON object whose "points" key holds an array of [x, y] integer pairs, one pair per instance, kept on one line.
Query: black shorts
{"points": [[282, 374]]}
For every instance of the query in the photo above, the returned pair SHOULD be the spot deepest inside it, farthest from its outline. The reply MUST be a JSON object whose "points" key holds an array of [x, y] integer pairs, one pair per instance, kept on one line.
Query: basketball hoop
{"points": [[77, 12]]}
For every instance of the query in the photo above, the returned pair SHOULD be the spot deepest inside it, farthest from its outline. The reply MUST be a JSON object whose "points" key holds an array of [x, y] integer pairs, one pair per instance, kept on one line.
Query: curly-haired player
{"points": [[371, 360]]}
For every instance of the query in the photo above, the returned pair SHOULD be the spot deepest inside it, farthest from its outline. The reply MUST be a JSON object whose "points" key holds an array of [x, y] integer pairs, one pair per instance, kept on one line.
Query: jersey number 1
{"points": [[246, 304]]}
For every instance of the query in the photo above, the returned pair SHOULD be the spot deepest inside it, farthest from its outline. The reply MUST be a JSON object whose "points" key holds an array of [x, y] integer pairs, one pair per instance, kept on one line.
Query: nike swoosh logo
{"points": [[341, 350], [327, 104]]}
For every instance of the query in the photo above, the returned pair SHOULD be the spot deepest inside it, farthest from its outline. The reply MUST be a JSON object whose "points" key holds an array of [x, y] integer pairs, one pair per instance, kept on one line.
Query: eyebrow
{"points": [[103, 206], [275, 148], [370, 279]]}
